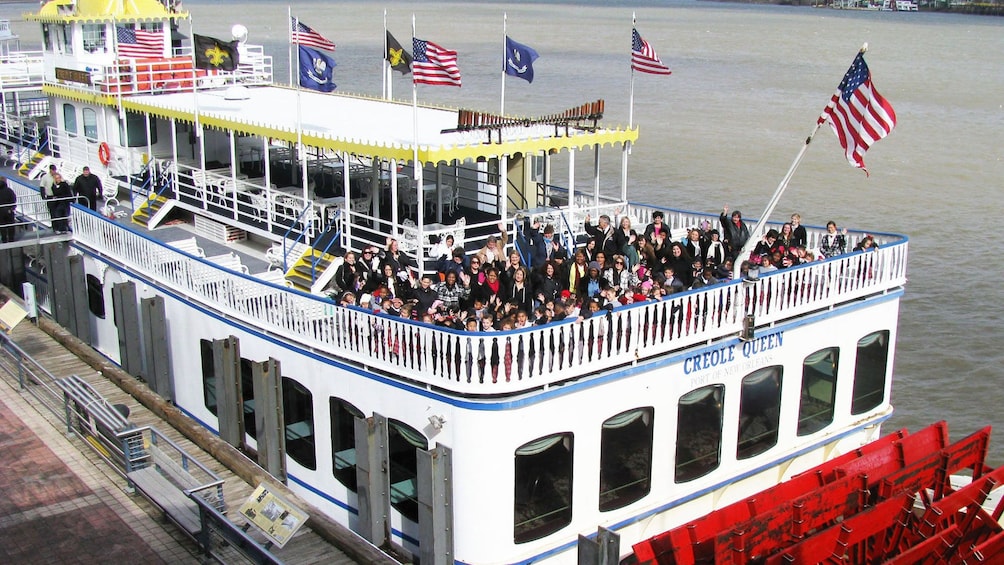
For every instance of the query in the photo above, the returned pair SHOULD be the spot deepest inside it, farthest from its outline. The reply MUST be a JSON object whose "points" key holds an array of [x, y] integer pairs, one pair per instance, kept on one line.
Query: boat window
{"points": [[134, 132], [94, 37], [699, 433], [90, 123], [759, 411], [625, 458], [247, 398], [61, 40], [208, 375], [404, 440], [70, 119], [819, 390], [543, 496], [96, 296], [298, 423], [343, 441], [870, 372]]}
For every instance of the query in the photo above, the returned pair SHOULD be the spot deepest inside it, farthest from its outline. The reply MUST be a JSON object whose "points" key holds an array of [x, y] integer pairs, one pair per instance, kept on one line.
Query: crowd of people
{"points": [[539, 281]]}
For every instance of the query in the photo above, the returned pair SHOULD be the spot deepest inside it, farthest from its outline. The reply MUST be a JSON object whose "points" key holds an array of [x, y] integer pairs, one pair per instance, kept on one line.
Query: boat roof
{"points": [[354, 124], [96, 11]]}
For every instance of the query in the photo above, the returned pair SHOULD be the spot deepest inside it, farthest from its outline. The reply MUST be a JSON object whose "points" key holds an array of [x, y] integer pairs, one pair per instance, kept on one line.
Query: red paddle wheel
{"points": [[890, 501]]}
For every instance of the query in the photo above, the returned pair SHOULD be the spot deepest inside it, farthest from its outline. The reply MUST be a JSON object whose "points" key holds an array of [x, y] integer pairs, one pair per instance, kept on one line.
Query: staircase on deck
{"points": [[311, 273], [152, 210]]}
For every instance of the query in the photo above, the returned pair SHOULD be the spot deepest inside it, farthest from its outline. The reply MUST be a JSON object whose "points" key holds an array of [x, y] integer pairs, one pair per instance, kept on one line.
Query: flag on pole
{"points": [[643, 57], [519, 58], [211, 53], [316, 70], [399, 59], [434, 65], [858, 114], [134, 42], [302, 34]]}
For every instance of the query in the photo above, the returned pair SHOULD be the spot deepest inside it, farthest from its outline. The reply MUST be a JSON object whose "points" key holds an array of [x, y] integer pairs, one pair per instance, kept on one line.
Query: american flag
{"points": [[858, 114], [434, 65], [302, 34], [644, 58], [139, 42]]}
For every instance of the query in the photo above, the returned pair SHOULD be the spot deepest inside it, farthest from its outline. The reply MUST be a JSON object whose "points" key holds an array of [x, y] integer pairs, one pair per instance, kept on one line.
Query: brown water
{"points": [[747, 87]]}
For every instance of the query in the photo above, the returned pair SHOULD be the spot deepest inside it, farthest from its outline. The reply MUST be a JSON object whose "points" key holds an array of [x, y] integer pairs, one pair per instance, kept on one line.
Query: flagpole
{"points": [[626, 149], [384, 63], [195, 86], [756, 232], [505, 54], [301, 153], [289, 49], [417, 168]]}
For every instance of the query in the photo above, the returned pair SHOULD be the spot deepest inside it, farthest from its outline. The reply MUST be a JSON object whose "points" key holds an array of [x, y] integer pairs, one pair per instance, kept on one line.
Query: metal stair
{"points": [[145, 213], [26, 168], [304, 277]]}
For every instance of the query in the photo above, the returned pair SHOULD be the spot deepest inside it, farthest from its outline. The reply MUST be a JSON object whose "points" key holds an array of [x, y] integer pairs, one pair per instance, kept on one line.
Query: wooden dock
{"points": [[305, 547]]}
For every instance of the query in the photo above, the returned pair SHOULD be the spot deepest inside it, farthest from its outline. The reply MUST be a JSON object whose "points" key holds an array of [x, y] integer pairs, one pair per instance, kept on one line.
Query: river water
{"points": [[748, 84]]}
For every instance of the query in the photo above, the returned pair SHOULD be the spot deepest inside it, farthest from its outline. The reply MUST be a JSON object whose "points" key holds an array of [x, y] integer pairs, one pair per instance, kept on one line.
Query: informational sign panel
{"points": [[11, 315], [273, 515]]}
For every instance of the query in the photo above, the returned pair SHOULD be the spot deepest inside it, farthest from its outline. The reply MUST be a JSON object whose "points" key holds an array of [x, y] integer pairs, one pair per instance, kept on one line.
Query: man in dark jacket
{"points": [[88, 186], [602, 234], [60, 211], [8, 203]]}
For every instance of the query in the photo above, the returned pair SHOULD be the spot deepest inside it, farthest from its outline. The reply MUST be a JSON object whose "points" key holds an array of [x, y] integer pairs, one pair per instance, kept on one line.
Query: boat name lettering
{"points": [[73, 75], [727, 354]]}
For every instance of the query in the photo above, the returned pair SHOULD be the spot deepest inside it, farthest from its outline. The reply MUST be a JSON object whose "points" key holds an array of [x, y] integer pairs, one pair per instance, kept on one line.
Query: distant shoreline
{"points": [[976, 8]]}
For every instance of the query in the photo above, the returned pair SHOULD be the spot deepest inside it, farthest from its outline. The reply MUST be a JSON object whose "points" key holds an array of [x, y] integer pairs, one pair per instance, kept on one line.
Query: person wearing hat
{"points": [[593, 283], [735, 232], [714, 252]]}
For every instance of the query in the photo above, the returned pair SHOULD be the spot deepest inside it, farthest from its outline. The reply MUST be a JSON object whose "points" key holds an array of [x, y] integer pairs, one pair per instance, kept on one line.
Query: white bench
{"points": [[190, 246], [230, 261]]}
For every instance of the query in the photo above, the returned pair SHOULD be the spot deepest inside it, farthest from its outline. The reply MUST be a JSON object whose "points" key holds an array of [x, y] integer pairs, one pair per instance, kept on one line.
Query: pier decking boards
{"points": [[306, 547]]}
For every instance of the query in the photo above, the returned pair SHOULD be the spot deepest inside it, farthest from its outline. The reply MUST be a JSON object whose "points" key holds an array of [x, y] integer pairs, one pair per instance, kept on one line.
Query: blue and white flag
{"points": [[519, 59], [316, 70]]}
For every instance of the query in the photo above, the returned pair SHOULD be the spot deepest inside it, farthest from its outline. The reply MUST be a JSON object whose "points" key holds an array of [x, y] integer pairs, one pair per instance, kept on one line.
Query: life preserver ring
{"points": [[104, 153]]}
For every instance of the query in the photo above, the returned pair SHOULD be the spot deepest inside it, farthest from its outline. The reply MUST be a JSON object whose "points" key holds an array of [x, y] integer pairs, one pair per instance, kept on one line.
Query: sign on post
{"points": [[273, 515]]}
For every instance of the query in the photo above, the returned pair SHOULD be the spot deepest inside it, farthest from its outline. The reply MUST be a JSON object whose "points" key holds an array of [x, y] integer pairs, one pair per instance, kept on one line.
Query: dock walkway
{"points": [[49, 482]]}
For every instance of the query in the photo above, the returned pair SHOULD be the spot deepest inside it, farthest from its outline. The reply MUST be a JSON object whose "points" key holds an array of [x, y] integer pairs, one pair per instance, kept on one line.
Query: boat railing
{"points": [[246, 201], [22, 70], [476, 363], [22, 132], [161, 75]]}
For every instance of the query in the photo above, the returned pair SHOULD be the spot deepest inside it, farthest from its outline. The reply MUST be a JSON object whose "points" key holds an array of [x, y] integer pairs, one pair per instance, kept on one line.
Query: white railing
{"points": [[500, 362], [22, 70], [174, 74], [246, 201]]}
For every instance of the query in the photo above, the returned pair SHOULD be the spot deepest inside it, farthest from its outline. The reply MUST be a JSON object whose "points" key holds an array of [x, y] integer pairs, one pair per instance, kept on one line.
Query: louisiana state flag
{"points": [[316, 70]]}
